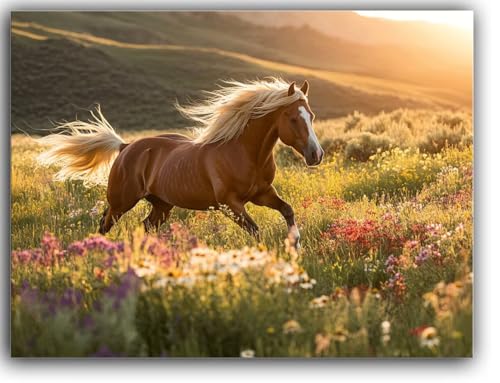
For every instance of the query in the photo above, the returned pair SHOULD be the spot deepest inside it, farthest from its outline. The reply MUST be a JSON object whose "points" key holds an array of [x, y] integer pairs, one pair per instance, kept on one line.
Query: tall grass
{"points": [[385, 267]]}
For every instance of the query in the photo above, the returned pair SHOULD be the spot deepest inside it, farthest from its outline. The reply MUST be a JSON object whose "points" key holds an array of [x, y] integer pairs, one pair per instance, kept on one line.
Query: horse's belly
{"points": [[180, 184], [196, 197]]}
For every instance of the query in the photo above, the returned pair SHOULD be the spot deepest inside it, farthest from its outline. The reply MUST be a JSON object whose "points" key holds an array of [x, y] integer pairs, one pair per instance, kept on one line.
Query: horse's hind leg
{"points": [[113, 214], [158, 215], [103, 220]]}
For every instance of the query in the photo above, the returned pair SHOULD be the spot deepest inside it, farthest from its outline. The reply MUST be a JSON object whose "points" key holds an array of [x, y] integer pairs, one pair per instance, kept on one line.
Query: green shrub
{"points": [[443, 137], [352, 121], [332, 146], [360, 148]]}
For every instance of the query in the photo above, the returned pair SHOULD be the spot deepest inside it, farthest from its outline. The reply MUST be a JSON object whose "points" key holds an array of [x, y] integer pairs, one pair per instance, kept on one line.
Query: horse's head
{"points": [[295, 128]]}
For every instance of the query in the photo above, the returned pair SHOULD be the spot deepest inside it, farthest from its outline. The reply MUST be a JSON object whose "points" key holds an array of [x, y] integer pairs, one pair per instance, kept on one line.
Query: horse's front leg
{"points": [[270, 198], [241, 216]]}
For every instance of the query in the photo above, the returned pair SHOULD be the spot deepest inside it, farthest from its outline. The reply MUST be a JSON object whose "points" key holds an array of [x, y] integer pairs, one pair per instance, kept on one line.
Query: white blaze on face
{"points": [[312, 140]]}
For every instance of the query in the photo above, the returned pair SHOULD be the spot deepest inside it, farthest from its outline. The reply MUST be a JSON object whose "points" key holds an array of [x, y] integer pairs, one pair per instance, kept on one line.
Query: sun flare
{"points": [[460, 19]]}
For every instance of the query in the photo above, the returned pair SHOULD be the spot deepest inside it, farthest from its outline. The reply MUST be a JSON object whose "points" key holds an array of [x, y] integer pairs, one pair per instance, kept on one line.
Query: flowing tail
{"points": [[82, 150]]}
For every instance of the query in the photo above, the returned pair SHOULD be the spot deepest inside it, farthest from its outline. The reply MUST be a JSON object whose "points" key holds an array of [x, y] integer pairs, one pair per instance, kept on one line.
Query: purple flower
{"points": [[423, 255], [391, 264], [71, 298], [87, 322], [49, 301], [50, 244], [130, 283], [105, 352], [77, 248], [95, 243]]}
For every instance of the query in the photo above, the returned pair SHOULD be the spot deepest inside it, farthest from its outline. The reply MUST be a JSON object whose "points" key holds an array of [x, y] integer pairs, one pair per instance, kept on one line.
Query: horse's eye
{"points": [[294, 120]]}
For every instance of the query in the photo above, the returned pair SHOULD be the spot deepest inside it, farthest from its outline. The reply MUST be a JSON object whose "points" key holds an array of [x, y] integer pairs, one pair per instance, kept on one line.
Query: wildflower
{"points": [[453, 289], [385, 327], [391, 263], [423, 255], [75, 213], [376, 294], [397, 284], [270, 330], [96, 209], [469, 278], [322, 343], [129, 284], [98, 272], [307, 285], [51, 248], [247, 353], [105, 352], [411, 244], [291, 327], [340, 335], [429, 338], [339, 293], [431, 300], [319, 302], [144, 271]]}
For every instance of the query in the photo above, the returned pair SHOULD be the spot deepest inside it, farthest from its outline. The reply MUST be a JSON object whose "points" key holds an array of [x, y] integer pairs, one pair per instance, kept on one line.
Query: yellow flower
{"points": [[430, 299]]}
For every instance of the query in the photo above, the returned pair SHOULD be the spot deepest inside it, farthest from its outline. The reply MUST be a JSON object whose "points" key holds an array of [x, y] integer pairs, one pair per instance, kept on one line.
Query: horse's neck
{"points": [[259, 138]]}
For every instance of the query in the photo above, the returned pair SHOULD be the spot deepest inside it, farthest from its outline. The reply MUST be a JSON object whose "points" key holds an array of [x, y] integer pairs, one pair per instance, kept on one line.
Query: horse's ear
{"points": [[291, 89], [305, 87]]}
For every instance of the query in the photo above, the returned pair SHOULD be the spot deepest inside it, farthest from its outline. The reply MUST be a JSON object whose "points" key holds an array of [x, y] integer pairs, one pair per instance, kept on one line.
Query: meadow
{"points": [[385, 266]]}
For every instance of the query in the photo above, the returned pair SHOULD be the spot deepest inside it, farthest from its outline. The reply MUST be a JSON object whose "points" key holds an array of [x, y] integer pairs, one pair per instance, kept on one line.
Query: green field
{"points": [[385, 267]]}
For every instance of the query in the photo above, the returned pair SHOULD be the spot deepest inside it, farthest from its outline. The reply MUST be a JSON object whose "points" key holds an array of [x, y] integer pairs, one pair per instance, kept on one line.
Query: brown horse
{"points": [[229, 163]]}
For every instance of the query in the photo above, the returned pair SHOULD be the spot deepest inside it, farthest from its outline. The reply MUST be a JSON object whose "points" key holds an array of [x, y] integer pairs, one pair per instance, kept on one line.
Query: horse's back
{"points": [[174, 136]]}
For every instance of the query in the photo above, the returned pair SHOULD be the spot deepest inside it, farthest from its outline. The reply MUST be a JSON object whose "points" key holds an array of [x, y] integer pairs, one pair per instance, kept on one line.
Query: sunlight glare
{"points": [[460, 19]]}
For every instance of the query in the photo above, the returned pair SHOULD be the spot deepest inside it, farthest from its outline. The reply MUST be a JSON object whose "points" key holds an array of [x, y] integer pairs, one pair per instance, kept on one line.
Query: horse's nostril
{"points": [[314, 156]]}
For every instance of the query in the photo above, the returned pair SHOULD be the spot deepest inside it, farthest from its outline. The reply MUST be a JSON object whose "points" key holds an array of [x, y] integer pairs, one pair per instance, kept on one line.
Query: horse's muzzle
{"points": [[314, 155]]}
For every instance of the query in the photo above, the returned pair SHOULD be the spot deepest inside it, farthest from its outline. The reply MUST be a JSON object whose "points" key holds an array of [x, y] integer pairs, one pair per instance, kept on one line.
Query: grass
{"points": [[385, 267]]}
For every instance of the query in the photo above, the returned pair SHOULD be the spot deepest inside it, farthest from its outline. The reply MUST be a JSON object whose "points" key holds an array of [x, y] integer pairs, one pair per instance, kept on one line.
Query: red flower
{"points": [[417, 331]]}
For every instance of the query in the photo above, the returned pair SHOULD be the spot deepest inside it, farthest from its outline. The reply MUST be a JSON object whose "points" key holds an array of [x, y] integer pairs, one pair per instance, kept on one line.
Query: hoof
{"points": [[297, 244], [294, 237]]}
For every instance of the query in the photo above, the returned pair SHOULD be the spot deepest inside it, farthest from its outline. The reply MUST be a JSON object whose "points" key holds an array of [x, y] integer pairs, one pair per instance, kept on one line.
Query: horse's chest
{"points": [[260, 183]]}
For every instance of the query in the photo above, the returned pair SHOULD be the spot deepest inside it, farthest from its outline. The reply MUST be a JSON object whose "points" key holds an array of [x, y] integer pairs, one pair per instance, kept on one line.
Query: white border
{"points": [[484, 367]]}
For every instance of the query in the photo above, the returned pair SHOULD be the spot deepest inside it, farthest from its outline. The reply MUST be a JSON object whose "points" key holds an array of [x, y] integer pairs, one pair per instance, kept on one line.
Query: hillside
{"points": [[423, 55], [135, 70]]}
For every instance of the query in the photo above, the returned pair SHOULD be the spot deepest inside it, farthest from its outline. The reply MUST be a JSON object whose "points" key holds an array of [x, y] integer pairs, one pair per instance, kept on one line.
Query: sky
{"points": [[460, 19]]}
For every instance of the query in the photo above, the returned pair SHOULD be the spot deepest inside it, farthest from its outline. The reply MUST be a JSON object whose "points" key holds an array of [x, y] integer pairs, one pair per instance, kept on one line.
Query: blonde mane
{"points": [[225, 113]]}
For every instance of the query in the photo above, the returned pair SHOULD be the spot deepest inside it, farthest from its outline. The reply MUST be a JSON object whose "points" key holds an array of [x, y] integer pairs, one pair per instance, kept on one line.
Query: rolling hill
{"points": [[136, 64], [418, 53]]}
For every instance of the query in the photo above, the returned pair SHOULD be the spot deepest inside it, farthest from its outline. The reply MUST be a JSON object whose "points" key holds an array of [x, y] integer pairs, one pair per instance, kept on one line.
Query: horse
{"points": [[228, 163]]}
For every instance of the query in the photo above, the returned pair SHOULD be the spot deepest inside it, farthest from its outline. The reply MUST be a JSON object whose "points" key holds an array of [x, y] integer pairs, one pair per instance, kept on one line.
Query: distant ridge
{"points": [[77, 59]]}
